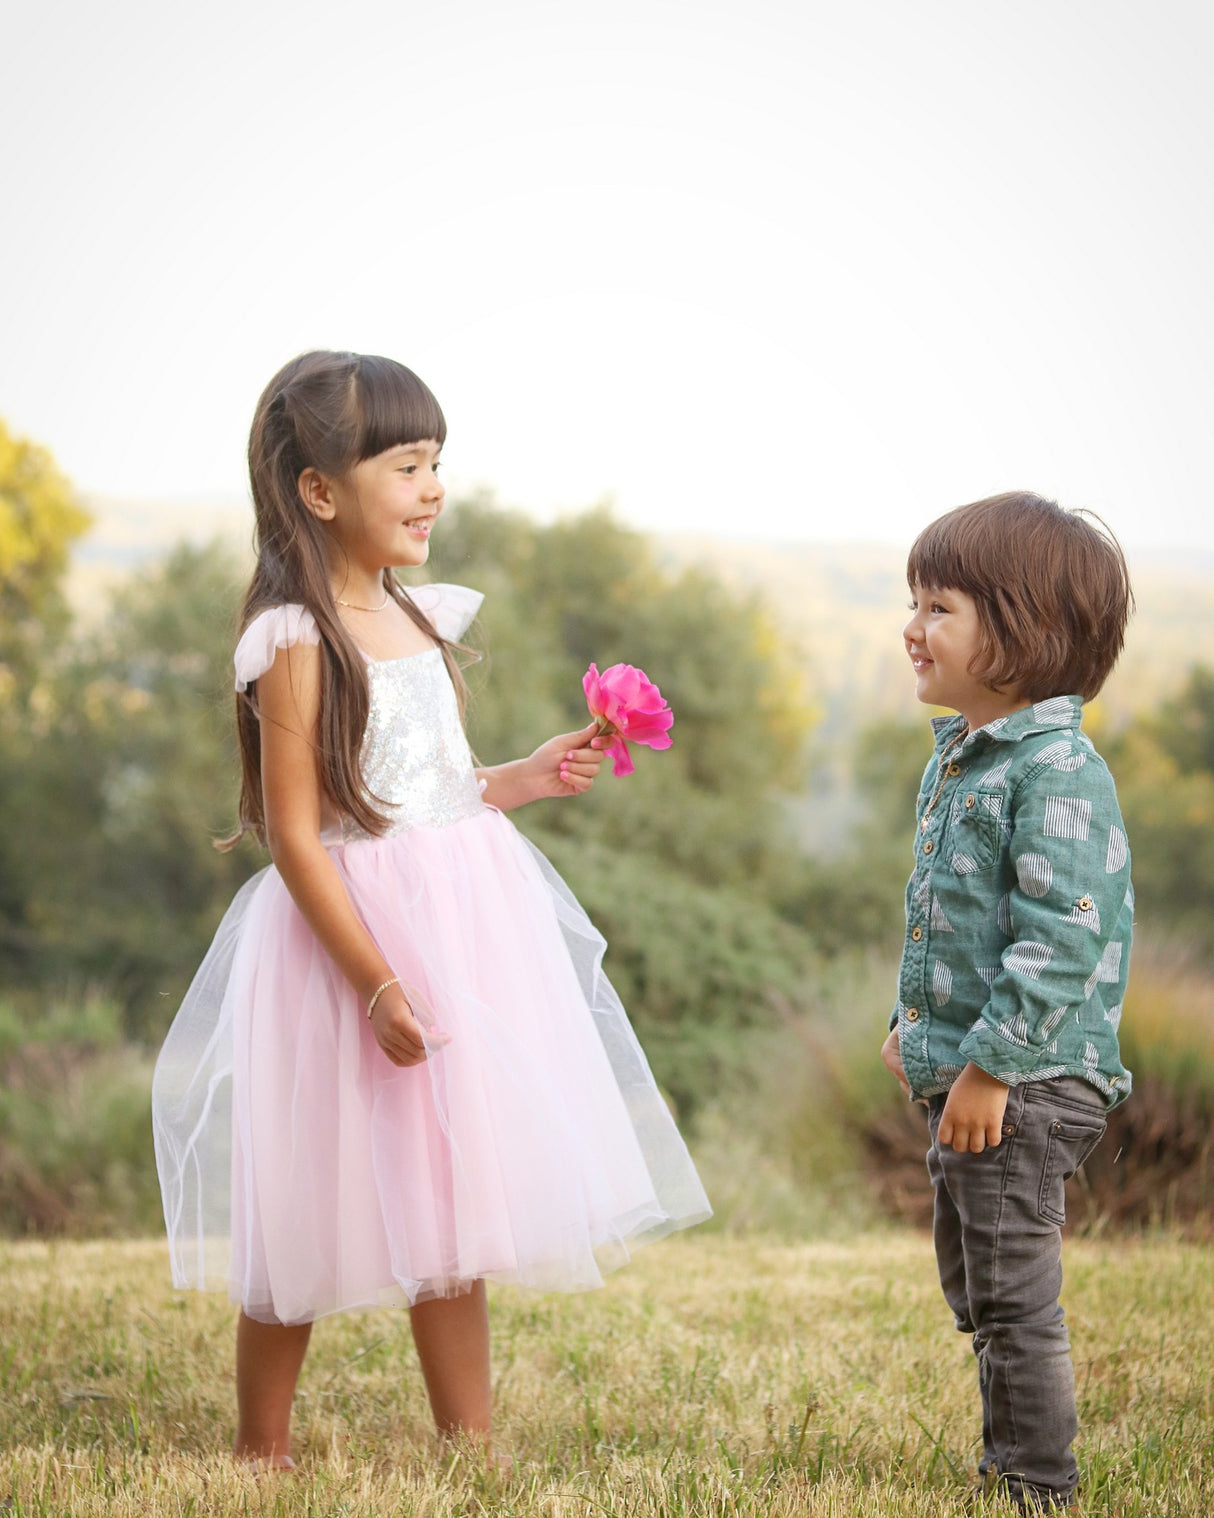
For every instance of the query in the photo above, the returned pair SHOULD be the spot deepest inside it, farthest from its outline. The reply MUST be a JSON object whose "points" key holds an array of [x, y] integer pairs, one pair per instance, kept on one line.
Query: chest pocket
{"points": [[975, 831]]}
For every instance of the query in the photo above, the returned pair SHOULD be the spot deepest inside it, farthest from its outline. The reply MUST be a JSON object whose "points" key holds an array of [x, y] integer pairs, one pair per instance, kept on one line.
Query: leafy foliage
{"points": [[116, 791], [73, 1123], [39, 520], [588, 589], [1164, 766]]}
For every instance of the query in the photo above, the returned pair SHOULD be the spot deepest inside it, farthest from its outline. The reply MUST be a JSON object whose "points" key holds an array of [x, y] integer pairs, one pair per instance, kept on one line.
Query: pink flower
{"points": [[629, 707]]}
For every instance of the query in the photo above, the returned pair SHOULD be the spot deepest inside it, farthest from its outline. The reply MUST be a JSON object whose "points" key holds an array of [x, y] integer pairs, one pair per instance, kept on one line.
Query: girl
{"points": [[399, 1071], [1018, 915]]}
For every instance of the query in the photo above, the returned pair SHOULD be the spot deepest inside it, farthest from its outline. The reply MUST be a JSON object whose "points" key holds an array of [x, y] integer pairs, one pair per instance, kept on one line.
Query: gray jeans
{"points": [[998, 1238]]}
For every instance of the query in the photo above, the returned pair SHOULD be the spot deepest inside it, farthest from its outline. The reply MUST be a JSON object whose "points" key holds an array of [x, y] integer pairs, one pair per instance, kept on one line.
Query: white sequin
{"points": [[417, 766]]}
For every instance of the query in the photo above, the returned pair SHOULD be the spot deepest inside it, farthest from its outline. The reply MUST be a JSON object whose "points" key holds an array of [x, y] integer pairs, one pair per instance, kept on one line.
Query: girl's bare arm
{"points": [[564, 766], [288, 696]]}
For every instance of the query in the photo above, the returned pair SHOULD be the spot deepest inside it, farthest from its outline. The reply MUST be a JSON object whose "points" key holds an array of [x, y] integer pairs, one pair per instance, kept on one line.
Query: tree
{"points": [[127, 774], [39, 521], [586, 588]]}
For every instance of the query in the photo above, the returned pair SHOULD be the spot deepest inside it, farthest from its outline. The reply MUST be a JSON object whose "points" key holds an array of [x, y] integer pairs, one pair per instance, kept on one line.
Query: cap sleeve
{"points": [[276, 627], [450, 607]]}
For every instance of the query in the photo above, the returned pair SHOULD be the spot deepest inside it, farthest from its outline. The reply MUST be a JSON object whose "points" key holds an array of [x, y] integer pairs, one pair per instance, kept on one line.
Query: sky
{"points": [[774, 270]]}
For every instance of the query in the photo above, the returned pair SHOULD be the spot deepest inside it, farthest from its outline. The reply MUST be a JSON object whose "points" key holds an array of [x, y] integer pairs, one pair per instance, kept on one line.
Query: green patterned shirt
{"points": [[1019, 911]]}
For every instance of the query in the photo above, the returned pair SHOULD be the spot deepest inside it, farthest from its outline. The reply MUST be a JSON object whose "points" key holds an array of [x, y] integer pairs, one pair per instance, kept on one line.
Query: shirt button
{"points": [[912, 1014], [916, 934], [970, 802], [954, 769], [1085, 903], [928, 846]]}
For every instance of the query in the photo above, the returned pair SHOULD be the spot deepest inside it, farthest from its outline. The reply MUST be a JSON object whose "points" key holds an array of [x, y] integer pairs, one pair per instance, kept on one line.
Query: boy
{"points": [[1019, 916]]}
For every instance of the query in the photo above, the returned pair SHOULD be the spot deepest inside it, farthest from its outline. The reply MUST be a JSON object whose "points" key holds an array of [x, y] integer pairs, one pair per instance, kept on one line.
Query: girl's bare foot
{"points": [[263, 1465]]}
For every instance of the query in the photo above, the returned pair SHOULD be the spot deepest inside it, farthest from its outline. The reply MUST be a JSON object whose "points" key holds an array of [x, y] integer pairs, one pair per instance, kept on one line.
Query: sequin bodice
{"points": [[416, 762]]}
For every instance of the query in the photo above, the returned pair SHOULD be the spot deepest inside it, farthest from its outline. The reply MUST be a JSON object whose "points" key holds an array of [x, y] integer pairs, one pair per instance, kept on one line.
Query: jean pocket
{"points": [[1069, 1142]]}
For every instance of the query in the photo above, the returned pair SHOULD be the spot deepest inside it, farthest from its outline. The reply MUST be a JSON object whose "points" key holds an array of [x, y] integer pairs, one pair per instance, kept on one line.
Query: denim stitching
{"points": [[1009, 1140]]}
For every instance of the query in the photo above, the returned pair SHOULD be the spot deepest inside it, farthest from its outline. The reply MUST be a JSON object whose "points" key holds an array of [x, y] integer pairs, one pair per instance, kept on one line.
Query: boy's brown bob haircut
{"points": [[1051, 588]]}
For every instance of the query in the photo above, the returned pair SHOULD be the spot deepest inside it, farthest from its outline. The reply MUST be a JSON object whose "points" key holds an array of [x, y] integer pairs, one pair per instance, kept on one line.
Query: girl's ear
{"points": [[316, 492]]}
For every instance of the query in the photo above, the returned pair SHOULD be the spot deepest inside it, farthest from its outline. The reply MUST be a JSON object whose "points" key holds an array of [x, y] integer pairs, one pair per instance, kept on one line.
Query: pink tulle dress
{"points": [[303, 1170]]}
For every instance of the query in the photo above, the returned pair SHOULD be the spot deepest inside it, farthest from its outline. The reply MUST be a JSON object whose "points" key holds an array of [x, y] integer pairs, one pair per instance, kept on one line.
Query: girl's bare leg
{"points": [[268, 1361], [452, 1338]]}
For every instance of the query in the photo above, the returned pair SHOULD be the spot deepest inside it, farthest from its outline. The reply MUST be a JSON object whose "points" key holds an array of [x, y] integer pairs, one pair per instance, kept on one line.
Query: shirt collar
{"points": [[1042, 717]]}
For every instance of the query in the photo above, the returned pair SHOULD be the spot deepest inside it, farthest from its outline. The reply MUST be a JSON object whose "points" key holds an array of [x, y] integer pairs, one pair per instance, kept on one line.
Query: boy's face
{"points": [[942, 638]]}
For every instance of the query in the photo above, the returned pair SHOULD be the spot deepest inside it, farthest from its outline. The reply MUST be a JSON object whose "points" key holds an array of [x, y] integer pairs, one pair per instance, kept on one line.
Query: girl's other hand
{"points": [[397, 1032]]}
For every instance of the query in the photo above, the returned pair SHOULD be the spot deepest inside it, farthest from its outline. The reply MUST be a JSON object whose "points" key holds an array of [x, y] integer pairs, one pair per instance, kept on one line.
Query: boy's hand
{"points": [[972, 1118], [891, 1057]]}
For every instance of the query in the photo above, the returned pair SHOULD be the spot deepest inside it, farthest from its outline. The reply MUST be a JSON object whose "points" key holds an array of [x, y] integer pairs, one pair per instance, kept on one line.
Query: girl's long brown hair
{"points": [[329, 412]]}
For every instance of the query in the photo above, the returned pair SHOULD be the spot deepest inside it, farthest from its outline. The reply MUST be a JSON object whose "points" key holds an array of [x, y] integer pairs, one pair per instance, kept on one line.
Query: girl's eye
{"points": [[935, 606], [408, 469]]}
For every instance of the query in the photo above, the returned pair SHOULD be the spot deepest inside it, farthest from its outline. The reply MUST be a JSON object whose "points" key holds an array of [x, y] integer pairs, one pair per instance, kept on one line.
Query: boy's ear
{"points": [[316, 493]]}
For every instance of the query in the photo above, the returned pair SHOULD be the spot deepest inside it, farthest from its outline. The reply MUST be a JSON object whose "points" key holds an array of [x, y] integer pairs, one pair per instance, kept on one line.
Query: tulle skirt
{"points": [[308, 1174]]}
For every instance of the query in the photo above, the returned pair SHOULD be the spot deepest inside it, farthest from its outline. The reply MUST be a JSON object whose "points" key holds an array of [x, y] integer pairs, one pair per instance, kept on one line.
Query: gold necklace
{"points": [[351, 606], [943, 769]]}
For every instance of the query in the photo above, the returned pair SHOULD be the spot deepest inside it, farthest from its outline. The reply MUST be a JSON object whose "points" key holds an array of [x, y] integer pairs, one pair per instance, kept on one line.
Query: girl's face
{"points": [[383, 510], [942, 638]]}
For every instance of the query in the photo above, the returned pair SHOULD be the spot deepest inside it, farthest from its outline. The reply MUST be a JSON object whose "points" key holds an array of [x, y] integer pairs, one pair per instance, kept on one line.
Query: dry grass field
{"points": [[714, 1376]]}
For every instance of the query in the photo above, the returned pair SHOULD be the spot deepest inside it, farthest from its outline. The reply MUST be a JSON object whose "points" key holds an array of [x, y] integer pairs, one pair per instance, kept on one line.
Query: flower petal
{"points": [[621, 759]]}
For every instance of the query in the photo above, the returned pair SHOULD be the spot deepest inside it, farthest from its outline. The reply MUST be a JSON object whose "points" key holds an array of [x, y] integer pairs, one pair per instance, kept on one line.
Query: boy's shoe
{"points": [[991, 1486]]}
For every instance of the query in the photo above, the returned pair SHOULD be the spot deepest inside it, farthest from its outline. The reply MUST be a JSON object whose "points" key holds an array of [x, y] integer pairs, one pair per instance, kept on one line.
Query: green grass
{"points": [[713, 1376]]}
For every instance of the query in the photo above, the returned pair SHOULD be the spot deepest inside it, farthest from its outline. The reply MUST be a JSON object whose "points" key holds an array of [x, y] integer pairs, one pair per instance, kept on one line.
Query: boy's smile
{"points": [[943, 638]]}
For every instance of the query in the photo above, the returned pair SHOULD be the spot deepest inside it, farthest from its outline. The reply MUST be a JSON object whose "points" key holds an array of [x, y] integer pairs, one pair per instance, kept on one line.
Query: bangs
{"points": [[395, 408], [962, 550]]}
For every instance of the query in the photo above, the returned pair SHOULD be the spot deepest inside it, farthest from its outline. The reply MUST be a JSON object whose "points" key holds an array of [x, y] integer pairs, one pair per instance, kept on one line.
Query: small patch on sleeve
{"points": [[1109, 968], [1118, 851], [1067, 817], [1028, 958], [1035, 874]]}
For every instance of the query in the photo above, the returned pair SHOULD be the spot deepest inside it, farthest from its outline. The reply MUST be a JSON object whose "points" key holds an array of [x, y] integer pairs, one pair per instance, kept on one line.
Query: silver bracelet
{"points": [[379, 991]]}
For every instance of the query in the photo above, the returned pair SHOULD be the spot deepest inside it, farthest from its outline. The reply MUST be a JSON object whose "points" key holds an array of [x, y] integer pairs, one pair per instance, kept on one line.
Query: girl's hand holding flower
{"points": [[568, 764], [627, 707], [564, 766]]}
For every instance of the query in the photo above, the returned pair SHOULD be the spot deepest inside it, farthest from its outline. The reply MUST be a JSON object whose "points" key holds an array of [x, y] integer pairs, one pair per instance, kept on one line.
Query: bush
{"points": [[75, 1136], [1155, 1164]]}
